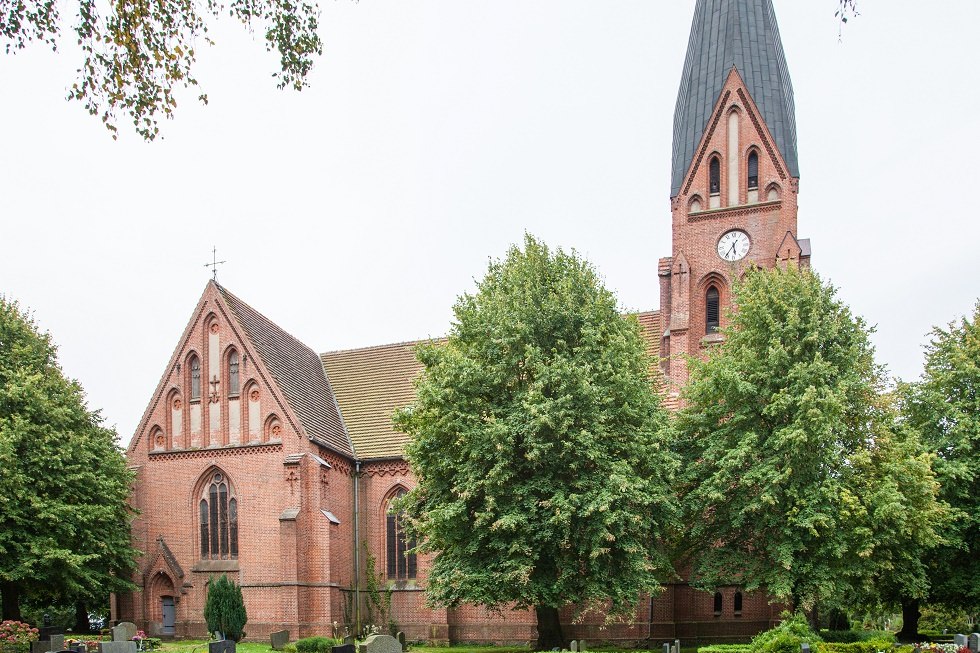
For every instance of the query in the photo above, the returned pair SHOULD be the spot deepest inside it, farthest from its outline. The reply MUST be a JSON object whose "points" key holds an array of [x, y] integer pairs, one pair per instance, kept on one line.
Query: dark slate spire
{"points": [[726, 33]]}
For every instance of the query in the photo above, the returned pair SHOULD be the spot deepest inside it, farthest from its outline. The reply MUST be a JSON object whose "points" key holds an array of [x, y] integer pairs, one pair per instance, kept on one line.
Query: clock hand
{"points": [[733, 249]]}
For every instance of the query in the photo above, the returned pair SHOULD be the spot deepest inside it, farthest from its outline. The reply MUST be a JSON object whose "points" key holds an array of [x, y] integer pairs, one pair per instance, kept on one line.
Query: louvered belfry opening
{"points": [[401, 564], [711, 310], [753, 171], [714, 174]]}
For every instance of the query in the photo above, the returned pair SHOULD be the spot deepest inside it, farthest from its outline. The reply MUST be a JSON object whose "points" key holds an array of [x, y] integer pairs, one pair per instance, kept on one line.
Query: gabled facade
{"points": [[260, 459]]}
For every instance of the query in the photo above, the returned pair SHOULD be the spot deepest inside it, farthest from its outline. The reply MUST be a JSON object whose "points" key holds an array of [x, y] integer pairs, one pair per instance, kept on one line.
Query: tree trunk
{"points": [[910, 621], [549, 629], [11, 600], [82, 624]]}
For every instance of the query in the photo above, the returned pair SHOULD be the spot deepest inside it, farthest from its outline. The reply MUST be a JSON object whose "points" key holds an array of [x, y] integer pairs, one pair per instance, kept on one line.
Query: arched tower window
{"points": [[401, 563], [711, 310], [218, 519], [737, 603], [714, 176], [717, 604], [753, 181], [195, 365], [234, 383]]}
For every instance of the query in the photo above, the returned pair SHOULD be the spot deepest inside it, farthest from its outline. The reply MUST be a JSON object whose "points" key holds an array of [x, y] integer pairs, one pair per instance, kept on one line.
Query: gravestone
{"points": [[666, 647], [45, 632], [677, 646], [349, 640], [573, 646], [805, 647], [117, 647], [346, 648], [222, 646], [57, 643], [581, 646], [279, 639], [382, 644], [973, 642], [959, 640], [124, 632], [40, 646], [400, 636]]}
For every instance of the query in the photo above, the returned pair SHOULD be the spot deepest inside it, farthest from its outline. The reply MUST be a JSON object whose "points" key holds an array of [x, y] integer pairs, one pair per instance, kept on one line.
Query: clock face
{"points": [[734, 245]]}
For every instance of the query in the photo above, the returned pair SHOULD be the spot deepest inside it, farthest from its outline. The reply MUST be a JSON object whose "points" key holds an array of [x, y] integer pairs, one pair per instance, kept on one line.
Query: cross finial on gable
{"points": [[214, 263]]}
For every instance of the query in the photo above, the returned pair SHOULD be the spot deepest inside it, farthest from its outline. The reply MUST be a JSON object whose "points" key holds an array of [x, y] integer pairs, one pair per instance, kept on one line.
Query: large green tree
{"points": [[538, 444], [944, 408], [794, 479], [64, 485]]}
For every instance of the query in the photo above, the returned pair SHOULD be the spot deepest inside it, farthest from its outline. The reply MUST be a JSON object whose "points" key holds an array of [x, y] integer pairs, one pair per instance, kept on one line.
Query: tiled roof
{"points": [[371, 383], [744, 34], [298, 374]]}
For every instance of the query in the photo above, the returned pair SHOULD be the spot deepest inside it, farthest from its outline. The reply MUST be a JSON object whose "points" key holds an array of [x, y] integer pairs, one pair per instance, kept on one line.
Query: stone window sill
{"points": [[203, 566]]}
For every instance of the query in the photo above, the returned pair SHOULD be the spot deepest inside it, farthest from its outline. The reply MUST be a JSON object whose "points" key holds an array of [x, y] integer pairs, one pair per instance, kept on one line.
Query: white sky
{"points": [[434, 134]]}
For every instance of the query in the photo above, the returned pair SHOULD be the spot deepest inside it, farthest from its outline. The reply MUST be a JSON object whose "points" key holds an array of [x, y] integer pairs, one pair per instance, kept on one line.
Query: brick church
{"points": [[259, 458]]}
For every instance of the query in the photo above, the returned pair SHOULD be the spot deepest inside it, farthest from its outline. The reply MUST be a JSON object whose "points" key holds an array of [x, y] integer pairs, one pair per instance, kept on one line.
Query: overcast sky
{"points": [[436, 132]]}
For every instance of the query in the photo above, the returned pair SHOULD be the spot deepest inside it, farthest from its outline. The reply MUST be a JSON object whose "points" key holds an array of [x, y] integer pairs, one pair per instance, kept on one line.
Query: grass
{"points": [[201, 646]]}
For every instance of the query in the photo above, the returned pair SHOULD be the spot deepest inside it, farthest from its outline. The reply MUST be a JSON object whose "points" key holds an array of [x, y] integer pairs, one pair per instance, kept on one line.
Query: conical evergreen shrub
{"points": [[224, 609]]}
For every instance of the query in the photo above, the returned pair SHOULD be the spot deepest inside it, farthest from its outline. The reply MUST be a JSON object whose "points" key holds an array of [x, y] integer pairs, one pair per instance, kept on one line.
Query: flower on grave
{"points": [[139, 636]]}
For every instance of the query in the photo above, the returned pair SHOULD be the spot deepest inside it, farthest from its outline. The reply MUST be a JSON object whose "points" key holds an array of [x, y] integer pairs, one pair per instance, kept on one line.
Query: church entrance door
{"points": [[169, 615]]}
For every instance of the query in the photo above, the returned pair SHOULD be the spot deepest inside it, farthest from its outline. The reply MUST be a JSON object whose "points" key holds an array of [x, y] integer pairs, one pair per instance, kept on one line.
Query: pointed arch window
{"points": [[714, 175], [753, 181], [711, 310], [218, 519], [717, 604], [234, 382], [195, 365], [401, 563]]}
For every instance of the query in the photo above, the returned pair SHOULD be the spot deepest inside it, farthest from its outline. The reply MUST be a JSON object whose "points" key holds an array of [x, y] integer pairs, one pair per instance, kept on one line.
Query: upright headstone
{"points": [[666, 647], [573, 646], [677, 645], [117, 647], [279, 639], [346, 648], [973, 642], [124, 631], [805, 647], [959, 640], [349, 640], [581, 646], [400, 636], [40, 646], [382, 644], [222, 646], [57, 643]]}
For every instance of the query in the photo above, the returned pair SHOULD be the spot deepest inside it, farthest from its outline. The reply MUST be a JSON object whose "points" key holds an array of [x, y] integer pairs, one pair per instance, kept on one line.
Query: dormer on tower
{"points": [[734, 172]]}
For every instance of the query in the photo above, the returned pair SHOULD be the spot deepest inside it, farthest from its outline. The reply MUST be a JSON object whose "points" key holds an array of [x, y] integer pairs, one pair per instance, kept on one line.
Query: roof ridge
{"points": [[383, 346]]}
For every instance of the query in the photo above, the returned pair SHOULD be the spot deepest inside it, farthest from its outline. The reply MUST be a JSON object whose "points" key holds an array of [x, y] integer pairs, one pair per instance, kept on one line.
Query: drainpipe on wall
{"points": [[357, 550]]}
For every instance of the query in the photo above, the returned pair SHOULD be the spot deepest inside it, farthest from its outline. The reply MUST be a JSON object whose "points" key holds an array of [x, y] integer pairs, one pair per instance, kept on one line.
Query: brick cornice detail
{"points": [[735, 211], [391, 468], [218, 452]]}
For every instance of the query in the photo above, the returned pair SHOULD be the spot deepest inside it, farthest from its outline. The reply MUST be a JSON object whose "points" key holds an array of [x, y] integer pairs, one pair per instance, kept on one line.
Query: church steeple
{"points": [[743, 34]]}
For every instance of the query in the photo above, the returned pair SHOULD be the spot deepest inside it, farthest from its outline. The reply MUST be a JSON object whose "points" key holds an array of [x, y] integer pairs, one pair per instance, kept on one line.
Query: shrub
{"points": [[786, 637], [224, 608], [868, 646], [317, 644], [840, 636], [726, 648], [17, 632]]}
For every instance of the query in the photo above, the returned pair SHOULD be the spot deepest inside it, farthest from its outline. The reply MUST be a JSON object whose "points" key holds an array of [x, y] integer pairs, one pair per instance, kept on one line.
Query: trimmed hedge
{"points": [[870, 646], [316, 644], [726, 648]]}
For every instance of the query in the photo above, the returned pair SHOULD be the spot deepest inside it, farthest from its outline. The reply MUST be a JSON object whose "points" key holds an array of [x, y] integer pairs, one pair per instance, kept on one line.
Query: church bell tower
{"points": [[734, 174]]}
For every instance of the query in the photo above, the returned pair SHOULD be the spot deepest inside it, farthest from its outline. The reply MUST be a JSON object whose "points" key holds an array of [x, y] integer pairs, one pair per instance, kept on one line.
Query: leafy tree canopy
{"points": [[944, 408], [64, 485], [537, 441], [137, 53], [794, 479]]}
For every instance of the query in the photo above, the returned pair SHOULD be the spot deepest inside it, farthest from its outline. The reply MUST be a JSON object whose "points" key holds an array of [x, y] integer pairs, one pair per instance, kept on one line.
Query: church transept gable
{"points": [[220, 392]]}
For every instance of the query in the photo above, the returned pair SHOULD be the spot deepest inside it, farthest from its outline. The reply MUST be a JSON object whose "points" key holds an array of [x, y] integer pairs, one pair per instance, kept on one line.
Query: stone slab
{"points": [[959, 640], [973, 642], [117, 647], [279, 639], [40, 646], [57, 643]]}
